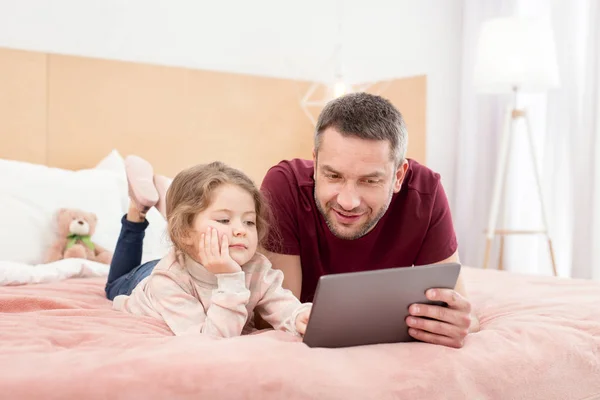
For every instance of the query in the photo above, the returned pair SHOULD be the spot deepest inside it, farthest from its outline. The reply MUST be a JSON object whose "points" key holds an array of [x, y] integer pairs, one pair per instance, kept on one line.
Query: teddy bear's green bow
{"points": [[85, 239]]}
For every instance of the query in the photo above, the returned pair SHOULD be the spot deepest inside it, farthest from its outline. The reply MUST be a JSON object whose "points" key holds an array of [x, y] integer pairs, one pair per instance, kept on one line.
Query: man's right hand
{"points": [[213, 257], [448, 326]]}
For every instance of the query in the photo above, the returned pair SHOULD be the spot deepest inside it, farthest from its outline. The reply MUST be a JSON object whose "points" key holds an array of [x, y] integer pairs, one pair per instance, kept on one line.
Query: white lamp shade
{"points": [[516, 52]]}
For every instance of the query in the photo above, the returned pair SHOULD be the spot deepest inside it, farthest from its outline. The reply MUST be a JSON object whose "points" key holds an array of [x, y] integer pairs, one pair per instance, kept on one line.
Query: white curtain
{"points": [[480, 126], [566, 129], [573, 113]]}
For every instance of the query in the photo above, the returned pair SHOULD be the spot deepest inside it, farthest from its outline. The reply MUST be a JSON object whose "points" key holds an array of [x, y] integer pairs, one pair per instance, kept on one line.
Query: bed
{"points": [[539, 338]]}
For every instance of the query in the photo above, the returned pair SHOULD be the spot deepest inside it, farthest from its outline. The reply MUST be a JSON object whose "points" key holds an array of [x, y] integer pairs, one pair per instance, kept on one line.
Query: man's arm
{"points": [[280, 187], [291, 268], [292, 278]]}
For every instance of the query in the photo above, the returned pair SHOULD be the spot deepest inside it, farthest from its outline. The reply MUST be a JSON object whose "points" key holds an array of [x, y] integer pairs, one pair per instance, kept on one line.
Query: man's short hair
{"points": [[365, 116]]}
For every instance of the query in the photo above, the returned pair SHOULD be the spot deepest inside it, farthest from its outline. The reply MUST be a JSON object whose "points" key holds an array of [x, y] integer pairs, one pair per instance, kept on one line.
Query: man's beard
{"points": [[362, 230]]}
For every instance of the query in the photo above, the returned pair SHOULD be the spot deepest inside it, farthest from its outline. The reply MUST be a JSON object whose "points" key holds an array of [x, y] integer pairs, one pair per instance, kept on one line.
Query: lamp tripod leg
{"points": [[501, 169], [538, 182]]}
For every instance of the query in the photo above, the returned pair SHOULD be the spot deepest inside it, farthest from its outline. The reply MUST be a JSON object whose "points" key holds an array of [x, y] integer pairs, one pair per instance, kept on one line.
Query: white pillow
{"points": [[114, 161], [30, 195], [156, 240]]}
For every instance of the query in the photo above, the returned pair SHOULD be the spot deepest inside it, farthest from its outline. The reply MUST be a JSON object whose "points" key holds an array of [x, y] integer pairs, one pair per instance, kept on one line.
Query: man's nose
{"points": [[348, 198]]}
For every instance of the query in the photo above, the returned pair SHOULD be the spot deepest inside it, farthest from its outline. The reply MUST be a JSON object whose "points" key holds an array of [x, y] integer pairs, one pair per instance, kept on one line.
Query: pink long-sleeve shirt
{"points": [[192, 300]]}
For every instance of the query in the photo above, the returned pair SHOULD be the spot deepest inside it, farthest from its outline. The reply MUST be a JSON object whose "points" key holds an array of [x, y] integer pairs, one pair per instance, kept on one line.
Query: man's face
{"points": [[354, 182]]}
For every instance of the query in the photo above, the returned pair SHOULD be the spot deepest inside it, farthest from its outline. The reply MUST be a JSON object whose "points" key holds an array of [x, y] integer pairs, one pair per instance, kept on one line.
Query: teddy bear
{"points": [[74, 231]]}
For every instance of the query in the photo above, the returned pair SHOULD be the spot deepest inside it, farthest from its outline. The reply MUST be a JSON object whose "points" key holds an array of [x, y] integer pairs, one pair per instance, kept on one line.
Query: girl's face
{"points": [[232, 213]]}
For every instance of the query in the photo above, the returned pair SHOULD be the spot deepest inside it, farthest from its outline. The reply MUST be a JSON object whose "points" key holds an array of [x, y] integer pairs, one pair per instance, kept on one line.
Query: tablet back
{"points": [[370, 307]]}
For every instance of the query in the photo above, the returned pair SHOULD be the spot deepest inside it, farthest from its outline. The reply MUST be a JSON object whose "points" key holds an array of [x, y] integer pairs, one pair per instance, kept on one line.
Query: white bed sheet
{"points": [[16, 273]]}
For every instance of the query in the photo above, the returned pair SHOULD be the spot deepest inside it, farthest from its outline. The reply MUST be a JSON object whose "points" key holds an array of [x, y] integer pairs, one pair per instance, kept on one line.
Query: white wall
{"points": [[381, 39]]}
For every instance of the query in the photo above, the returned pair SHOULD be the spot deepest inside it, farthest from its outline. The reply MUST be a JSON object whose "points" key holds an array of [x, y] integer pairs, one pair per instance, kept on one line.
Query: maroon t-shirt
{"points": [[417, 228]]}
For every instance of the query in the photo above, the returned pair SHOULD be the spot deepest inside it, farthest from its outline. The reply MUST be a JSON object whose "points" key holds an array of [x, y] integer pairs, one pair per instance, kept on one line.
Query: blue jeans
{"points": [[126, 268]]}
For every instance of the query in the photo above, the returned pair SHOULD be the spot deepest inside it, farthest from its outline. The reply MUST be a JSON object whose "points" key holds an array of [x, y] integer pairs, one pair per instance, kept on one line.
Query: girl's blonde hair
{"points": [[192, 190]]}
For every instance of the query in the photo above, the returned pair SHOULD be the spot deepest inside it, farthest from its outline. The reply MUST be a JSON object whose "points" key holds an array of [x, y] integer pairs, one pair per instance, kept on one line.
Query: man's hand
{"points": [[449, 325], [215, 257]]}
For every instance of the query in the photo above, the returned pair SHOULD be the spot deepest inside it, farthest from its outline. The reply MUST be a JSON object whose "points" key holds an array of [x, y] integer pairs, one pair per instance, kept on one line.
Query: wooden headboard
{"points": [[69, 112]]}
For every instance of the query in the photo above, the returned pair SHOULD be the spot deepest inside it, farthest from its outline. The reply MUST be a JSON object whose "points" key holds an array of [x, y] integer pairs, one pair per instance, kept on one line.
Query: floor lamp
{"points": [[515, 55]]}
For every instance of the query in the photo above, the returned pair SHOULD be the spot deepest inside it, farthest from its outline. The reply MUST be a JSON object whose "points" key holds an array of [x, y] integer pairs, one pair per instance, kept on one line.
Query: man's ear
{"points": [[400, 175]]}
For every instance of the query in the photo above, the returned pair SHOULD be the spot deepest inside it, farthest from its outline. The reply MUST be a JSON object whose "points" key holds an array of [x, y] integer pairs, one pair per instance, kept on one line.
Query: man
{"points": [[361, 205]]}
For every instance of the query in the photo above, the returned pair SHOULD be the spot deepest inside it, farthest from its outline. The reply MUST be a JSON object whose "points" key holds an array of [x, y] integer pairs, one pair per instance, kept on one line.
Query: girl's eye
{"points": [[250, 223], [223, 221]]}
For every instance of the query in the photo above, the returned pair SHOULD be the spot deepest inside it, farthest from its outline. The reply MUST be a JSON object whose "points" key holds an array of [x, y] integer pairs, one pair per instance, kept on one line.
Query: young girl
{"points": [[213, 279]]}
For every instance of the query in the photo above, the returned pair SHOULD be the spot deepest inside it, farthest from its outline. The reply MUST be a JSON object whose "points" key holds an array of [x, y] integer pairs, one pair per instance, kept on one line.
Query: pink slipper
{"points": [[140, 179], [162, 184]]}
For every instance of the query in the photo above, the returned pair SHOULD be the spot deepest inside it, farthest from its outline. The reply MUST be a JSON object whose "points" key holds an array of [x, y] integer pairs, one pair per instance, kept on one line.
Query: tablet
{"points": [[370, 307]]}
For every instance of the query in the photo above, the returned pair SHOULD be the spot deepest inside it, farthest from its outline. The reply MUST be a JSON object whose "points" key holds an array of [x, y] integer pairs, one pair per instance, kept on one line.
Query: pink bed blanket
{"points": [[540, 339]]}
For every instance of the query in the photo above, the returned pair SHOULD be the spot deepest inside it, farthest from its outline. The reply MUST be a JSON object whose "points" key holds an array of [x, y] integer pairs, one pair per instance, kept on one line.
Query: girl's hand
{"points": [[302, 321], [216, 258]]}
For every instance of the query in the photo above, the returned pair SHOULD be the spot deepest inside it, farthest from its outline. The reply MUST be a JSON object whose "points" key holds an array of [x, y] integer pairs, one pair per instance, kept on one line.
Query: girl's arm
{"points": [[185, 314], [278, 306]]}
